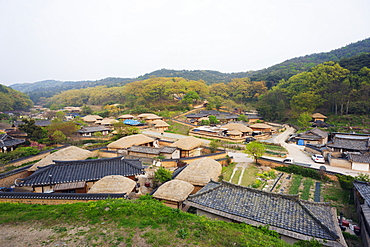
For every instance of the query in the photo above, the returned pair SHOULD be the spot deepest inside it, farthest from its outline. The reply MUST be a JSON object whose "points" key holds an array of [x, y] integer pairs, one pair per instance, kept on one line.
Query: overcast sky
{"points": [[91, 40]]}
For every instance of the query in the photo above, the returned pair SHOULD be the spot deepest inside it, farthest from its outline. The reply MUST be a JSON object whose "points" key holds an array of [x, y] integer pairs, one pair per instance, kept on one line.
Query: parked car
{"points": [[288, 161], [318, 158]]}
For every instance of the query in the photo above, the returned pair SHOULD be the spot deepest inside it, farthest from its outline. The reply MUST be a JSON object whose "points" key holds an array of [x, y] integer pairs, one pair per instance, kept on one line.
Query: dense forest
{"points": [[271, 75], [288, 68], [13, 100]]}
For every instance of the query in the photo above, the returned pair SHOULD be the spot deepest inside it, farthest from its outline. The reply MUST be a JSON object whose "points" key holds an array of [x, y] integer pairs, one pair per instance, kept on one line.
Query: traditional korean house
{"points": [[159, 125], [153, 152], [261, 128], [342, 142], [199, 172], [318, 116], [148, 117], [68, 153], [134, 140], [223, 117], [79, 175], [8, 143], [359, 162], [125, 117], [189, 146], [292, 218], [89, 131], [313, 136], [91, 119], [242, 128], [113, 184], [173, 192]]}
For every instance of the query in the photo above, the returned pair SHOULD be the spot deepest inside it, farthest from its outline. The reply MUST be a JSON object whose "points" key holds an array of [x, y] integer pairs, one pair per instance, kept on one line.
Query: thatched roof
{"points": [[187, 143], [203, 118], [108, 121], [148, 116], [237, 126], [234, 132], [127, 116], [128, 141], [113, 184], [159, 123], [174, 190], [91, 118], [68, 153], [260, 126], [200, 172], [318, 115]]}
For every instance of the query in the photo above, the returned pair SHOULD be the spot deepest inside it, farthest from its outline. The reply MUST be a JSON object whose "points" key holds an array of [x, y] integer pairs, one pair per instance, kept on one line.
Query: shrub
{"points": [[162, 175], [305, 172]]}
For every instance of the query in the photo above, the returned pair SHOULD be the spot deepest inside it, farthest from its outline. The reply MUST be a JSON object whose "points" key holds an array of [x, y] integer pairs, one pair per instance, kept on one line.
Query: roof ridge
{"points": [[333, 234]]}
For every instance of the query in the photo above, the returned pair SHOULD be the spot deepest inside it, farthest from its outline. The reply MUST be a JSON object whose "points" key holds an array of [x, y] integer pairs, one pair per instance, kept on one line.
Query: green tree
{"points": [[213, 119], [59, 137], [214, 145], [162, 175], [86, 110], [255, 149], [191, 97], [243, 118], [304, 119], [215, 102], [34, 132]]}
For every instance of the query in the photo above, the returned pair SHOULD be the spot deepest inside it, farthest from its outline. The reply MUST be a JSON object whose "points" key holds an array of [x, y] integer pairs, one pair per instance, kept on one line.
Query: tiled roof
{"points": [[83, 170], [360, 158], [152, 150], [319, 132], [364, 189], [92, 129], [218, 114], [8, 141], [285, 212], [360, 143]]}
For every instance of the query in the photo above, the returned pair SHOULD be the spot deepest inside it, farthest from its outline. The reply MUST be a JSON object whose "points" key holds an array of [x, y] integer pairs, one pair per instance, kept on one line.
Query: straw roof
{"points": [[203, 118], [107, 121], [159, 123], [113, 184], [147, 115], [174, 190], [260, 126], [128, 141], [91, 118], [318, 115], [237, 126], [127, 116], [234, 132], [65, 154], [200, 172], [187, 143]]}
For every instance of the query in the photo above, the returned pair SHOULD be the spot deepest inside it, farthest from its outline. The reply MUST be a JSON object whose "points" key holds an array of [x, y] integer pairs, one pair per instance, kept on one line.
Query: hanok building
{"points": [[148, 117], [125, 117], [159, 125], [362, 203], [313, 136], [113, 184], [107, 122], [78, 176], [292, 218], [188, 146], [173, 192], [318, 117], [199, 172], [223, 117], [126, 142], [89, 131], [241, 128], [261, 128], [342, 142], [359, 162], [153, 152], [8, 143], [91, 119]]}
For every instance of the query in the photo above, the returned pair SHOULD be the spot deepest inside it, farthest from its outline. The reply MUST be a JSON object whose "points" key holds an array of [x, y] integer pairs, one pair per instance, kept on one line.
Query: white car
{"points": [[318, 158]]}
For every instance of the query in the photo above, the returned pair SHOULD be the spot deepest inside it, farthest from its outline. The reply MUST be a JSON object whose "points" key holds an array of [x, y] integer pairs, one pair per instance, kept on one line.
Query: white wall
{"points": [[360, 166]]}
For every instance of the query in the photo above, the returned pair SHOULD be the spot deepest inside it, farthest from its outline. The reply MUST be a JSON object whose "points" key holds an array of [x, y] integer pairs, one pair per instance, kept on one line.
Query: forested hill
{"points": [[13, 100], [49, 88], [209, 76], [271, 75], [288, 68]]}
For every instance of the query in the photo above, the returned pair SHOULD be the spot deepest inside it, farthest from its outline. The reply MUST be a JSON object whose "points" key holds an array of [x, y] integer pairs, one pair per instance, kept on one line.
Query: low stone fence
{"points": [[339, 162], [55, 198]]}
